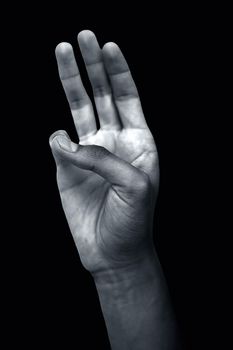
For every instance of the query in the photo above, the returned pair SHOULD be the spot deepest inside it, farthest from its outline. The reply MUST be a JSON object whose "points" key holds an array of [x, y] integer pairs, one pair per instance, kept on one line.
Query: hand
{"points": [[108, 182]]}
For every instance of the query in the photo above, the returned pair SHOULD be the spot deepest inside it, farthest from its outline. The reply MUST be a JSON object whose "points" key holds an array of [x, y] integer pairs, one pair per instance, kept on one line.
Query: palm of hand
{"points": [[93, 208]]}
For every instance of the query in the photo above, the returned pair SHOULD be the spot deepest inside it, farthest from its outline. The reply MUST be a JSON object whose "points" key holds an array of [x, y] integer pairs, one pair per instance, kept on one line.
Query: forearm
{"points": [[136, 306]]}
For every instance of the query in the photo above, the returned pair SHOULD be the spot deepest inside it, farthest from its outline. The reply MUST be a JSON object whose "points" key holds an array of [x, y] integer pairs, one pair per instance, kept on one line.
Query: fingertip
{"points": [[63, 48], [89, 47], [85, 35], [114, 59], [111, 49]]}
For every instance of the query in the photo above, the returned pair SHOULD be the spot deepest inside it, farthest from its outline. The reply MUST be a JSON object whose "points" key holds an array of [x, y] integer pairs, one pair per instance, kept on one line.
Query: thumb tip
{"points": [[62, 141], [55, 134]]}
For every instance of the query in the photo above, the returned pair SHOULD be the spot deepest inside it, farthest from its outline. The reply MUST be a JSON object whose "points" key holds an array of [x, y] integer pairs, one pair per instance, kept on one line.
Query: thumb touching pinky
{"points": [[97, 159]]}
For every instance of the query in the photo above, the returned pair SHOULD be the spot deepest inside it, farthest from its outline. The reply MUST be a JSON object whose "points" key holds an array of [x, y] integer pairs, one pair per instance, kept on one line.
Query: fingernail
{"points": [[57, 133], [66, 144]]}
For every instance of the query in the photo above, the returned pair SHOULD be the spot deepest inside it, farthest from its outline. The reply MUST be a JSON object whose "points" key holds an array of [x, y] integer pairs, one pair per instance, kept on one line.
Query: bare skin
{"points": [[108, 184]]}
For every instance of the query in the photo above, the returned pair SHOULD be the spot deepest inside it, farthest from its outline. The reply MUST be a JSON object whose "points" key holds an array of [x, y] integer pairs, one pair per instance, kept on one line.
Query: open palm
{"points": [[108, 192]]}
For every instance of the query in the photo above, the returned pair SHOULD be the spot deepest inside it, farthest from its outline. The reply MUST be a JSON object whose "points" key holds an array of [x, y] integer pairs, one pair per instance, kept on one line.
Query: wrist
{"points": [[135, 301], [140, 272]]}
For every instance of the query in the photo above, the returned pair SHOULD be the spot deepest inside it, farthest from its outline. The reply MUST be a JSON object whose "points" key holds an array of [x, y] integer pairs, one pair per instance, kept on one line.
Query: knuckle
{"points": [[76, 103], [99, 90]]}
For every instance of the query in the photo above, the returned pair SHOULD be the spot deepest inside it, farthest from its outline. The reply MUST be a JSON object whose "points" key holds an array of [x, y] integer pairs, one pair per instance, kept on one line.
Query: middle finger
{"points": [[92, 55]]}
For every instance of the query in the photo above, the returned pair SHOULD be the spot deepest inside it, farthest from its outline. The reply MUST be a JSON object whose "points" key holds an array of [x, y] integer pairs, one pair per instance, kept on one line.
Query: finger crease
{"points": [[70, 77], [119, 73]]}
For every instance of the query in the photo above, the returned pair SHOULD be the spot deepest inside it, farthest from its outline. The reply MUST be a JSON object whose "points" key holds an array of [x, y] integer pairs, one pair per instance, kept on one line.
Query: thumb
{"points": [[97, 159]]}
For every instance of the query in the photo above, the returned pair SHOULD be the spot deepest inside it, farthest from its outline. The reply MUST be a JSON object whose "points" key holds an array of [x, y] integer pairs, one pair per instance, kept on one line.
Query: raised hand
{"points": [[108, 182]]}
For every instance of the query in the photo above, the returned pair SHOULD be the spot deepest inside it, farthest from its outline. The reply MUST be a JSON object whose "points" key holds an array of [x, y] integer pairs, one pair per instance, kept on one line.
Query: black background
{"points": [[53, 301]]}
